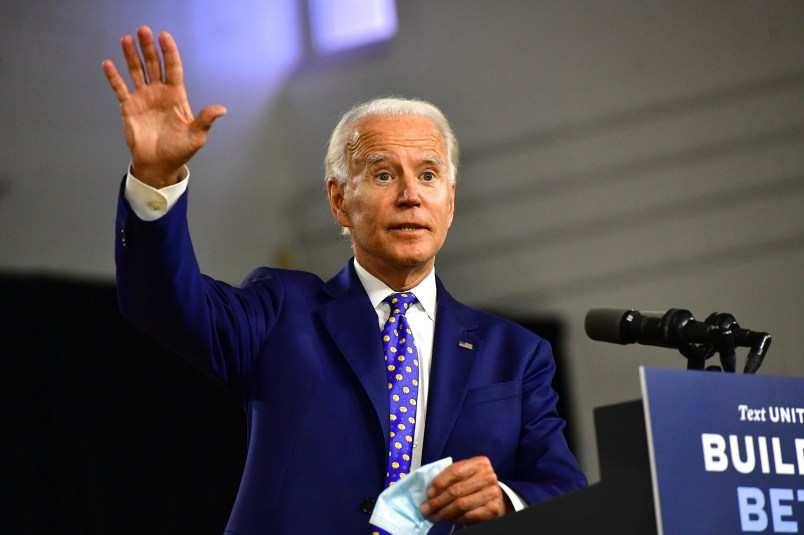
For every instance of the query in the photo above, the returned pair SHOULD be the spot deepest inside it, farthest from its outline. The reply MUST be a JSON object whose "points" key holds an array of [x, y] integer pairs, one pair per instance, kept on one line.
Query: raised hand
{"points": [[161, 132]]}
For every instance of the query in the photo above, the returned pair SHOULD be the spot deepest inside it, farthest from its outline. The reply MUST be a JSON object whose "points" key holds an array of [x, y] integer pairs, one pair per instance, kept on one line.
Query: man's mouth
{"points": [[409, 227]]}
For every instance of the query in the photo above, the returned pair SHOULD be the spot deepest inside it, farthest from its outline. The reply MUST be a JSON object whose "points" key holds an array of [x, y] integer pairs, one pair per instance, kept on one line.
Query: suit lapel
{"points": [[352, 323], [456, 349]]}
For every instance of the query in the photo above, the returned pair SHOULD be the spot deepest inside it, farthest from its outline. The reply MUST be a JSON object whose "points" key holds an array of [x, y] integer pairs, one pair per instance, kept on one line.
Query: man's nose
{"points": [[409, 193]]}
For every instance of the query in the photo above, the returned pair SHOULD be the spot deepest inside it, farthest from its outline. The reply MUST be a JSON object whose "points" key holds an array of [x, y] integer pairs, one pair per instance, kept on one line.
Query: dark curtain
{"points": [[101, 429]]}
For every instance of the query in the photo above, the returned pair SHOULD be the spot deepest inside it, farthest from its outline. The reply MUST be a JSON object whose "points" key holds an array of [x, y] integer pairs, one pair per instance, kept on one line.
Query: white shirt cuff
{"points": [[516, 499], [148, 203]]}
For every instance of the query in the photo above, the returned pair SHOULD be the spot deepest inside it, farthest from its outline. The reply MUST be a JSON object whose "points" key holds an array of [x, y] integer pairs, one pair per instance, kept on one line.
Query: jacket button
{"points": [[368, 505]]}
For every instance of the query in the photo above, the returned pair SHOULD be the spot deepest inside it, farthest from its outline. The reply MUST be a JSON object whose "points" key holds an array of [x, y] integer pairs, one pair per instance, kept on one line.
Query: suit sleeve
{"points": [[161, 290], [545, 466]]}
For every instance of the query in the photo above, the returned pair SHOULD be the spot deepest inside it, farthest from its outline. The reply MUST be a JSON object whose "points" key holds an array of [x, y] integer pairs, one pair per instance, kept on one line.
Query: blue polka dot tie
{"points": [[402, 369]]}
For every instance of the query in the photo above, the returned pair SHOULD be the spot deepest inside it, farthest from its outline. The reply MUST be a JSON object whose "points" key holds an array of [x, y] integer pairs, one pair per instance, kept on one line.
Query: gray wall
{"points": [[627, 154]]}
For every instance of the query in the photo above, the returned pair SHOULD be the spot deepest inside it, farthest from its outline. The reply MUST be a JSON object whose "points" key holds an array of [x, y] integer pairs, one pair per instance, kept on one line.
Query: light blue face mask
{"points": [[397, 507]]}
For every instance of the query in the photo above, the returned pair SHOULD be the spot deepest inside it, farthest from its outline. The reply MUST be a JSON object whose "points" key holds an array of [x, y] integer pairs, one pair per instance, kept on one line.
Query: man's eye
{"points": [[428, 176], [384, 177]]}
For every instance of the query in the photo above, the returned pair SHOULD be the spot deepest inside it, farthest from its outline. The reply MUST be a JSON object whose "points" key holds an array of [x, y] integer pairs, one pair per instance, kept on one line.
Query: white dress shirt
{"points": [[421, 318]]}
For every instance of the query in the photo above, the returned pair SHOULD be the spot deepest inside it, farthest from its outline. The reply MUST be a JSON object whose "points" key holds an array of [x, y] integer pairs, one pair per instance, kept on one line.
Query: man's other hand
{"points": [[466, 492]]}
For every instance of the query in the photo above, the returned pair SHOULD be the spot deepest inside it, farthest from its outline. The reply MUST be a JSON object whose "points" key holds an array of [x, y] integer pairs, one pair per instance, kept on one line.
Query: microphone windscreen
{"points": [[606, 325]]}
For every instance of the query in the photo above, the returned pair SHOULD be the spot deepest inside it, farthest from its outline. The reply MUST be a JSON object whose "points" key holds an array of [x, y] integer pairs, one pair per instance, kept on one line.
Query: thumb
{"points": [[207, 116]]}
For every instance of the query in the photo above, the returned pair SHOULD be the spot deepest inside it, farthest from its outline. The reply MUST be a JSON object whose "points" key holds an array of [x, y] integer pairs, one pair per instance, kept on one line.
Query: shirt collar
{"points": [[377, 290]]}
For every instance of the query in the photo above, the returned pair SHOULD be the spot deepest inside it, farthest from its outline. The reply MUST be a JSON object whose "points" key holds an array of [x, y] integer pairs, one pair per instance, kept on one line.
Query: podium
{"points": [[702, 452], [622, 502]]}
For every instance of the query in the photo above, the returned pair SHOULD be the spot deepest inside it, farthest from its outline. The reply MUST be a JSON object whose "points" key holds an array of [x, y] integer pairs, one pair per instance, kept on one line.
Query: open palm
{"points": [[161, 132]]}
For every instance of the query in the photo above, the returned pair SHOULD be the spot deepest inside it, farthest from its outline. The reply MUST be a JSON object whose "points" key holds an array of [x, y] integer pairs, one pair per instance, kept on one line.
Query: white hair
{"points": [[337, 161]]}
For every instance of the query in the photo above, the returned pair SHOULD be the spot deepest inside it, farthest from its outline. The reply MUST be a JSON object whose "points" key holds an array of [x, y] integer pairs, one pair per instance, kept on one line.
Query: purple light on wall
{"points": [[343, 24], [248, 40]]}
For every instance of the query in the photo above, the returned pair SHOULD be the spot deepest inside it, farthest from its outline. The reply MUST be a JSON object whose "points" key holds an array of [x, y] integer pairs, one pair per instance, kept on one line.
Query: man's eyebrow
{"points": [[434, 160], [375, 158]]}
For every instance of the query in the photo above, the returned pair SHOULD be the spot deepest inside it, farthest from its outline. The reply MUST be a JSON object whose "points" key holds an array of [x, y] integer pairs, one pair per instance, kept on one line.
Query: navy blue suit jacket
{"points": [[302, 356]]}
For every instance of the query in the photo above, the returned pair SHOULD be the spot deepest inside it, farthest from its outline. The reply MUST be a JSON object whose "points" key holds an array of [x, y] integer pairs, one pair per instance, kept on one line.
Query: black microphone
{"points": [[677, 329], [673, 328]]}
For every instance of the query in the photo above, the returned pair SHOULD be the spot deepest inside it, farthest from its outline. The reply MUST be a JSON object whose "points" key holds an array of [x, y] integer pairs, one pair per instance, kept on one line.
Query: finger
{"points": [[459, 495], [153, 65], [133, 62], [485, 512], [115, 80], [459, 471], [174, 72], [482, 505], [207, 116], [447, 477]]}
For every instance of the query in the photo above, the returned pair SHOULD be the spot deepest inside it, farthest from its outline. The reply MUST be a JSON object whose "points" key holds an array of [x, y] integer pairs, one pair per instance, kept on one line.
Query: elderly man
{"points": [[348, 384]]}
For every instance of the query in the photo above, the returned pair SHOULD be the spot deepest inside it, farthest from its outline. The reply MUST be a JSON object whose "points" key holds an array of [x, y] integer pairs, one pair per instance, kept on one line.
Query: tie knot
{"points": [[400, 302]]}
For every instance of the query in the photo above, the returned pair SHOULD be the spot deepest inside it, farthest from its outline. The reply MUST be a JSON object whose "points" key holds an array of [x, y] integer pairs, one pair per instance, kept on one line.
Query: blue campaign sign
{"points": [[727, 451]]}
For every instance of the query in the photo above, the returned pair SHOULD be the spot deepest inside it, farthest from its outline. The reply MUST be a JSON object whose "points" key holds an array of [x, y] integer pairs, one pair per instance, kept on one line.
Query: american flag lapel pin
{"points": [[465, 345]]}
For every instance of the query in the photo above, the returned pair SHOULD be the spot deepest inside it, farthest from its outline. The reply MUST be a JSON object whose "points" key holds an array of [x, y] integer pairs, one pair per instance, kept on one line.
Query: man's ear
{"points": [[335, 193]]}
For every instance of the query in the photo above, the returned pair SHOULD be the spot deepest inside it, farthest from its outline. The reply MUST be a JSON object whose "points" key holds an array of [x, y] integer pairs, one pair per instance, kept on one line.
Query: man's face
{"points": [[399, 199]]}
